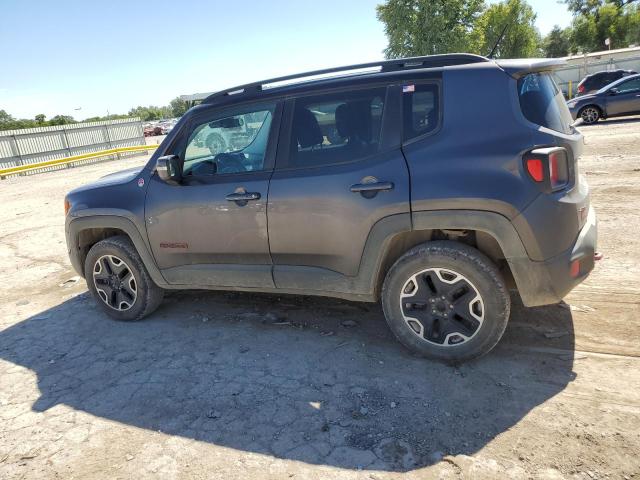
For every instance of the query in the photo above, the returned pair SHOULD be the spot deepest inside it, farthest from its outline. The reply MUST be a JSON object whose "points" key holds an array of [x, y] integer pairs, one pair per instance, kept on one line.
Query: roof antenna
{"points": [[495, 47]]}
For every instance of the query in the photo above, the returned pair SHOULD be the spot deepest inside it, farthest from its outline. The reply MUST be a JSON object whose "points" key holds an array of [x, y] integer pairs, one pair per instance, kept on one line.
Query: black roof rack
{"points": [[431, 61]]}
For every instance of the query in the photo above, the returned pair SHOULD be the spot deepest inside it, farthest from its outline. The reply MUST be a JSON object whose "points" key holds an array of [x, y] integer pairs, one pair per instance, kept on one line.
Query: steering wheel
{"points": [[205, 167], [229, 163]]}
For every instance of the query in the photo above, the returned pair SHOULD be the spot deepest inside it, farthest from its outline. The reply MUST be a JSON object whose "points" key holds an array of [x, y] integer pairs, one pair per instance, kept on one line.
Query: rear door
{"points": [[339, 171], [627, 98]]}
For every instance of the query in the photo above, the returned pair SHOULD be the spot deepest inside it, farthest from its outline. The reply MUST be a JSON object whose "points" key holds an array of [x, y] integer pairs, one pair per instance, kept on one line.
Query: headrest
{"points": [[353, 121], [306, 128]]}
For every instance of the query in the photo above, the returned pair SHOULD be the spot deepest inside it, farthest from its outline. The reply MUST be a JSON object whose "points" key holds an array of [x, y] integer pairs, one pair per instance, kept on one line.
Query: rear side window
{"points": [[629, 86], [420, 109], [336, 127], [542, 102]]}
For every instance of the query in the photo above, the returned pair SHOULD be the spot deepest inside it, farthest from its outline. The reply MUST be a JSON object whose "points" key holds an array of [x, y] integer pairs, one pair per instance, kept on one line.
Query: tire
{"points": [[119, 281], [216, 143], [590, 114], [446, 301]]}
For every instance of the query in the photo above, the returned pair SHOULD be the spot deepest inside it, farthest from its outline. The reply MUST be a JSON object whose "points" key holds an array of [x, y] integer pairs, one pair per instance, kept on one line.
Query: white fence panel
{"points": [[35, 145]]}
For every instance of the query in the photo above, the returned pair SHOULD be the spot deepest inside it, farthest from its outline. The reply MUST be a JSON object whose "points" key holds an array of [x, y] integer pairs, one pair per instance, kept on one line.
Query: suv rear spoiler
{"points": [[521, 66]]}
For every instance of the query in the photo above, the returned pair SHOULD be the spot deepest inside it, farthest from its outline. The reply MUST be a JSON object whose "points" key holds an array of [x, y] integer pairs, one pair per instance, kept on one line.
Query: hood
{"points": [[123, 176], [117, 178], [582, 98]]}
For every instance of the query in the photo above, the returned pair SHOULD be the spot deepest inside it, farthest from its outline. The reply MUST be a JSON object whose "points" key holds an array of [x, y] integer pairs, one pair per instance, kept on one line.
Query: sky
{"points": [[84, 58]]}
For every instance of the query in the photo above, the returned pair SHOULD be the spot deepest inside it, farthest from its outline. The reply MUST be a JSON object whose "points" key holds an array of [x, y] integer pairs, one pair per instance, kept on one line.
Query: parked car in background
{"points": [[594, 82], [167, 126], [151, 129], [619, 98]]}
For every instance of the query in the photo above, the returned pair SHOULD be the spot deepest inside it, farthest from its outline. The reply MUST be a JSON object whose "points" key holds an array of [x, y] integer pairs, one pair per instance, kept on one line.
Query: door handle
{"points": [[371, 187], [243, 196]]}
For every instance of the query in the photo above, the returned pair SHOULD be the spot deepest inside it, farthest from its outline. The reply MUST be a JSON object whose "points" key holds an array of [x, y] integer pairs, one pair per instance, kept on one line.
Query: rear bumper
{"points": [[547, 282]]}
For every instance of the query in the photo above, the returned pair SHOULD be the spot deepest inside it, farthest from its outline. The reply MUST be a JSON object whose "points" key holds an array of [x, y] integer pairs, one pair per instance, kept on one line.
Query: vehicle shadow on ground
{"points": [[314, 380]]}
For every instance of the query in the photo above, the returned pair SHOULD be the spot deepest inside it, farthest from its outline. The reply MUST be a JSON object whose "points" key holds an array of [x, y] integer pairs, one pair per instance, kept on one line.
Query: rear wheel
{"points": [[119, 281], [590, 114], [447, 301]]}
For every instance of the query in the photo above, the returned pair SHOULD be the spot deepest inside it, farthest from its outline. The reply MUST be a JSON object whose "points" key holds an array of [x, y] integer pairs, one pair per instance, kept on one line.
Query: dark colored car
{"points": [[621, 97], [595, 81], [381, 185]]}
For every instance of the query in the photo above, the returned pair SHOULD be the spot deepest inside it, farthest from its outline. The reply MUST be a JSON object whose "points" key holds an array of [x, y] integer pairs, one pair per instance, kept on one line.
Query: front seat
{"points": [[306, 134]]}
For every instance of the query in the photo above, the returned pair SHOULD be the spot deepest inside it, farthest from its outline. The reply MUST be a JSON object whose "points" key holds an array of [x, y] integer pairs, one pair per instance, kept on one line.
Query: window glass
{"points": [[629, 86], [421, 109], [542, 102], [229, 143], [336, 128]]}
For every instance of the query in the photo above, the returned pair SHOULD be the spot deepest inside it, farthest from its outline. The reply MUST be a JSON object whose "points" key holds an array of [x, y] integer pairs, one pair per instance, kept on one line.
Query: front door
{"points": [[626, 99], [211, 229], [340, 173]]}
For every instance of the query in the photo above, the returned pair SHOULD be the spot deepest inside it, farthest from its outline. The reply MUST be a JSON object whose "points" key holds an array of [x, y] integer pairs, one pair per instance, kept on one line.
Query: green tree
{"points": [[5, 118], [40, 118], [150, 113], [61, 120], [596, 20], [426, 27], [557, 43], [591, 7], [521, 39], [178, 107]]}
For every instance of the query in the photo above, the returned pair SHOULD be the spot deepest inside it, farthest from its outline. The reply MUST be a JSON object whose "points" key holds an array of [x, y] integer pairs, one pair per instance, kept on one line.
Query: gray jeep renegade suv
{"points": [[433, 184]]}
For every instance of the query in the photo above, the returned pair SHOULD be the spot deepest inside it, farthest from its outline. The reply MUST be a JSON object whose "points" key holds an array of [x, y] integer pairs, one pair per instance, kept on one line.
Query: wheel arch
{"points": [[84, 232], [600, 109], [489, 232]]}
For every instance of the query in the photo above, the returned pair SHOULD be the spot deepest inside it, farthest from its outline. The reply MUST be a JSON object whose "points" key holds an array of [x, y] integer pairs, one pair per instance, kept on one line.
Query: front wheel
{"points": [[590, 114], [447, 301], [119, 281]]}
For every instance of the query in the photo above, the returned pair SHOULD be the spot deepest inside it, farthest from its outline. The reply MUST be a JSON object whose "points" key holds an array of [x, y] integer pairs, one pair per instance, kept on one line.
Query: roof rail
{"points": [[430, 61]]}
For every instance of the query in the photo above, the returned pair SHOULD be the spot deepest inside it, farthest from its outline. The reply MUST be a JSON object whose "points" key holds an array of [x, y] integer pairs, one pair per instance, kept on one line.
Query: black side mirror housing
{"points": [[169, 168], [613, 91]]}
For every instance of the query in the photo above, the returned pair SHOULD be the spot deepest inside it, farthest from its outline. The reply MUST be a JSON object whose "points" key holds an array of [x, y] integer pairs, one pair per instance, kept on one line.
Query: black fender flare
{"points": [[494, 224], [77, 224]]}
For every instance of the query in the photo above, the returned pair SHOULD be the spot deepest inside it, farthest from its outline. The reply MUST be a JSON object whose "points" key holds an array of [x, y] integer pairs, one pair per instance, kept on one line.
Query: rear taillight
{"points": [[549, 167], [580, 88], [535, 169]]}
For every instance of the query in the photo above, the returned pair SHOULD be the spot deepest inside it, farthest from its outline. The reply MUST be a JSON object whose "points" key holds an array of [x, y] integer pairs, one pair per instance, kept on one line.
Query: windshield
{"points": [[542, 102]]}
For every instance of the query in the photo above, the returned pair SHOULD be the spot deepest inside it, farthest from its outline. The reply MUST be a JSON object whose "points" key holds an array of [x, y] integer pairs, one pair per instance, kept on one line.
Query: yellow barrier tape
{"points": [[74, 158]]}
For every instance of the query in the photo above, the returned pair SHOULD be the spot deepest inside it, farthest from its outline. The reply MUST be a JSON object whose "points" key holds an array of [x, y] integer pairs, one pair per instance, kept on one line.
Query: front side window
{"points": [[629, 86], [420, 109], [542, 102], [336, 128], [229, 143]]}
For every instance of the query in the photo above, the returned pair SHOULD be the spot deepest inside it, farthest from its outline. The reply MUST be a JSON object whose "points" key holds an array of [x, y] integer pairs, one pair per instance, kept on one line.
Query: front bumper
{"points": [[549, 281]]}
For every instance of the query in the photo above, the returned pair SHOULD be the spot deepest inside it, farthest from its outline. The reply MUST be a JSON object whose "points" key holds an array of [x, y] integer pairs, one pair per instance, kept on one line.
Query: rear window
{"points": [[420, 107], [542, 102]]}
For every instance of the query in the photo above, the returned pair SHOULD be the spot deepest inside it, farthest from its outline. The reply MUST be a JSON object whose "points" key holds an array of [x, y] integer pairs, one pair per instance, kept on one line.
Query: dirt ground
{"points": [[229, 385]]}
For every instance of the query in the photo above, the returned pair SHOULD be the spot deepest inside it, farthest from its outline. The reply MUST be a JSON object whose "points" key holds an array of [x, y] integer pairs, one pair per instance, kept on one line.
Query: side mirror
{"points": [[613, 91], [169, 169]]}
